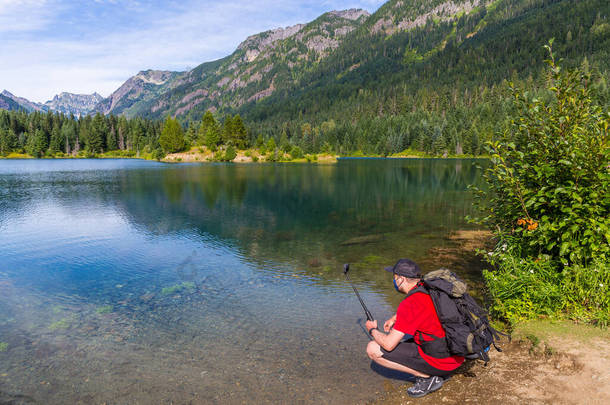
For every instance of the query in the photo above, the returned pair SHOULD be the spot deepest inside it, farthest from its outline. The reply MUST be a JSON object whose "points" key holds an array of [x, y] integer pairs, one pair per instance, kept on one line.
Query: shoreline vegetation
{"points": [[200, 154]]}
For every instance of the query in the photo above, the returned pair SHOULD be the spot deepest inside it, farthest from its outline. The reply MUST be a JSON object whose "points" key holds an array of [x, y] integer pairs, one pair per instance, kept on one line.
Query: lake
{"points": [[127, 281]]}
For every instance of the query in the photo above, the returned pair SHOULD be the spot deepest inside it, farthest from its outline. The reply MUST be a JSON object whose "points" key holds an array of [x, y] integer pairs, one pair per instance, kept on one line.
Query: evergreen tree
{"points": [[284, 143], [271, 145], [260, 141], [8, 141], [240, 134], [209, 132], [97, 134], [172, 136], [190, 136], [56, 143], [227, 130], [111, 140], [37, 144], [68, 135], [122, 132]]}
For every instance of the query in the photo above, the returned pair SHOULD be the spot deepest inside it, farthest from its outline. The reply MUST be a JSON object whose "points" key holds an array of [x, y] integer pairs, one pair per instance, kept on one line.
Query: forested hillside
{"points": [[439, 87], [260, 64]]}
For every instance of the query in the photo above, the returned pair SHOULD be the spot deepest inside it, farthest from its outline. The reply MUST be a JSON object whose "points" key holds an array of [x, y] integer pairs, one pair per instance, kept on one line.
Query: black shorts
{"points": [[406, 353]]}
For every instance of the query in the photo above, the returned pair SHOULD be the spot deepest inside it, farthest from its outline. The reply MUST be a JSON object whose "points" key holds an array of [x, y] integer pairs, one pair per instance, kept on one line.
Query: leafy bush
{"points": [[296, 152], [158, 154], [230, 154], [548, 179], [272, 156], [548, 202]]}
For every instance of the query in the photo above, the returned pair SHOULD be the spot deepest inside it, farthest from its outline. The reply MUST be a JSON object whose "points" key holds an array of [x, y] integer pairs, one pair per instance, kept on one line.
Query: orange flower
{"points": [[533, 225], [521, 221]]}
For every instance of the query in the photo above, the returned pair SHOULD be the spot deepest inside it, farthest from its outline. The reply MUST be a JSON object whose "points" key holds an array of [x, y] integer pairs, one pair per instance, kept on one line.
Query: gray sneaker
{"points": [[424, 386]]}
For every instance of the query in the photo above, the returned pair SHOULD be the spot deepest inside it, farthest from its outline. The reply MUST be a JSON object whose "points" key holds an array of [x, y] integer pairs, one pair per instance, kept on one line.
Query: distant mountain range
{"points": [[259, 65], [66, 103], [347, 62]]}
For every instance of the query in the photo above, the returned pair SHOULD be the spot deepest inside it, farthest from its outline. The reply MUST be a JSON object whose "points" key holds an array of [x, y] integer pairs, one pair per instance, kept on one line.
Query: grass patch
{"points": [[546, 329], [189, 286], [15, 155], [3, 346]]}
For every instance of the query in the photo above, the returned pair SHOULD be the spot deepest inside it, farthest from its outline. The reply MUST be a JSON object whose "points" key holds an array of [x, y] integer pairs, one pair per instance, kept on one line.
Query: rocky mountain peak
{"points": [[156, 77], [351, 14], [77, 104], [260, 42]]}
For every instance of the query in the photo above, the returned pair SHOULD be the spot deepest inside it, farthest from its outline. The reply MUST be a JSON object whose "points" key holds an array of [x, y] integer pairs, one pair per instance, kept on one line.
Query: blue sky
{"points": [[82, 46]]}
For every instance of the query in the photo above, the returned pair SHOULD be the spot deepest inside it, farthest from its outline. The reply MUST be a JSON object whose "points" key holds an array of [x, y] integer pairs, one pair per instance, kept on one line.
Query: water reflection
{"points": [[208, 283]]}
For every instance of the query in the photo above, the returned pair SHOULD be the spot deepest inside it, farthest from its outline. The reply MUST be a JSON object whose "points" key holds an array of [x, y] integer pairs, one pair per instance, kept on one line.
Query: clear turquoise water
{"points": [[126, 281]]}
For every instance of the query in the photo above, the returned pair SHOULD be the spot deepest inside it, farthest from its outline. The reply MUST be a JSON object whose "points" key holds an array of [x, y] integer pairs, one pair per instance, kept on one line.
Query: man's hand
{"points": [[371, 325], [389, 323]]}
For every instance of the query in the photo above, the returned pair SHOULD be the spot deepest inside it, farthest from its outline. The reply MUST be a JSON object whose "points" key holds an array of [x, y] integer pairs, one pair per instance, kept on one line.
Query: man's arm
{"points": [[388, 341]]}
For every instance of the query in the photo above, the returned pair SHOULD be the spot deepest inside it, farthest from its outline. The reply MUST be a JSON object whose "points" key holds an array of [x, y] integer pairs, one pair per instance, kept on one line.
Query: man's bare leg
{"points": [[374, 351]]}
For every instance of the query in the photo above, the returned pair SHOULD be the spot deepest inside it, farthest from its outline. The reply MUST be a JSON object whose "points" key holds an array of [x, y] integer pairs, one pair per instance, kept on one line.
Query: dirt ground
{"points": [[545, 363]]}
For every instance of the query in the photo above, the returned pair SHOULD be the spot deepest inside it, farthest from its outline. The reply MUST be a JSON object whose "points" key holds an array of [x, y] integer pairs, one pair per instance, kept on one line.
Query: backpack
{"points": [[467, 329]]}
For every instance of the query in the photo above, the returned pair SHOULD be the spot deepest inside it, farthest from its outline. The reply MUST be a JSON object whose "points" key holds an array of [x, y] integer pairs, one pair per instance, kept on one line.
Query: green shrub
{"points": [[230, 154], [158, 154], [525, 288], [296, 152], [548, 202], [548, 179], [587, 292], [272, 156]]}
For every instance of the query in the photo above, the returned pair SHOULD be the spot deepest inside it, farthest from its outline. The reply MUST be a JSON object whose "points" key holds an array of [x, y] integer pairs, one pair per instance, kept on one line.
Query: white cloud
{"points": [[24, 15]]}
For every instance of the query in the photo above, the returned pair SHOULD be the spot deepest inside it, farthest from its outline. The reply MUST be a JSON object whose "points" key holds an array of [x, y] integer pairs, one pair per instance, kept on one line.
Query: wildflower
{"points": [[504, 246], [521, 221], [601, 285], [533, 225], [532, 271]]}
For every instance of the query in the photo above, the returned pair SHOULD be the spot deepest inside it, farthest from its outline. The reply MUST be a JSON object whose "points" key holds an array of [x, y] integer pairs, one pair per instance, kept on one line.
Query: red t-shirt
{"points": [[417, 313]]}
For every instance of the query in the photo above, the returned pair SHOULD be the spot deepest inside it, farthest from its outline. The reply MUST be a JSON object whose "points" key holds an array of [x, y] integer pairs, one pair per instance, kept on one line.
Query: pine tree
{"points": [[97, 134], [56, 144], [209, 132], [172, 136], [111, 140], [240, 134], [227, 130], [37, 143]]}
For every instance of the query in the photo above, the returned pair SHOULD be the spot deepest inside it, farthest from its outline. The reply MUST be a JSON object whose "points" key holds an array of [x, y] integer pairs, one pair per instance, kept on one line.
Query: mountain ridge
{"points": [[253, 71], [66, 103]]}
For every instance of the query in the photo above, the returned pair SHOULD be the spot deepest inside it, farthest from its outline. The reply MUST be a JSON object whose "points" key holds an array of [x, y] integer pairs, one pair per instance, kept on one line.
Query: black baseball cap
{"points": [[406, 268]]}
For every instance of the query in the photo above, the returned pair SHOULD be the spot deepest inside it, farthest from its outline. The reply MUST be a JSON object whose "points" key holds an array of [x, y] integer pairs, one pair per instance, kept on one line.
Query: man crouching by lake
{"points": [[415, 342]]}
